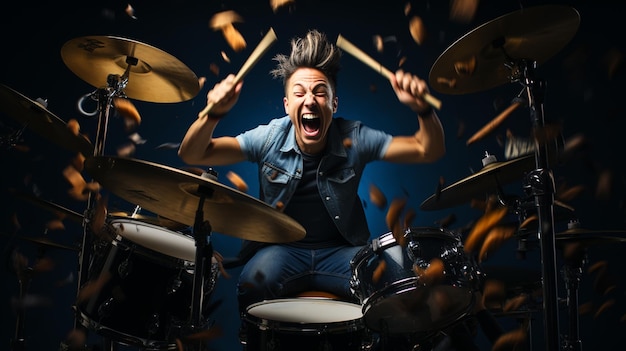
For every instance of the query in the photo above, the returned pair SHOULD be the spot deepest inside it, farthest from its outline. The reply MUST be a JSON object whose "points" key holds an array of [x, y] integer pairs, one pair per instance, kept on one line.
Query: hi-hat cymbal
{"points": [[154, 75], [480, 183], [36, 117], [478, 60], [590, 237], [176, 194]]}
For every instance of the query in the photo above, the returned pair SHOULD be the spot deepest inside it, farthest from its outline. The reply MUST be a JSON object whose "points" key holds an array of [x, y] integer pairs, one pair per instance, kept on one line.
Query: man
{"points": [[310, 164]]}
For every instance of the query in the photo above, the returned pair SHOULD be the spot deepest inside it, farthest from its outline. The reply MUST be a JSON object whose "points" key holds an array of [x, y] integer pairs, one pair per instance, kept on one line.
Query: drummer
{"points": [[310, 163]]}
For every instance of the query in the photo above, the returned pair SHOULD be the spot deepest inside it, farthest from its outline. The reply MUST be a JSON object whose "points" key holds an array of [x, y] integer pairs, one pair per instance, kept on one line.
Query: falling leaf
{"points": [[482, 228], [417, 29], [463, 11], [237, 181], [277, 4], [377, 197], [378, 271]]}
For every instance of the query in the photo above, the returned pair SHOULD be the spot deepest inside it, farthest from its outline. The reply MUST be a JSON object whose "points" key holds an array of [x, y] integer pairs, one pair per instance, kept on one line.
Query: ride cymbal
{"points": [[43, 122], [153, 75], [480, 183], [489, 55], [176, 194]]}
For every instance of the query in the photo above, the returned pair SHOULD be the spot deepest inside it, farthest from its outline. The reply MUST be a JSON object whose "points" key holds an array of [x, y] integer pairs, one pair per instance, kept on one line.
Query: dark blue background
{"points": [[580, 93]]}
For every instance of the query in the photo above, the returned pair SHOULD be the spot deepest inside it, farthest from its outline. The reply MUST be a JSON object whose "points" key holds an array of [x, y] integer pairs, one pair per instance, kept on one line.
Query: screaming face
{"points": [[310, 104]]}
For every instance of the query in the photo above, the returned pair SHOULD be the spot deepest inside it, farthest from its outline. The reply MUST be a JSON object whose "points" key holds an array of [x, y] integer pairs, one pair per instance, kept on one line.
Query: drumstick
{"points": [[344, 44], [266, 42], [489, 127]]}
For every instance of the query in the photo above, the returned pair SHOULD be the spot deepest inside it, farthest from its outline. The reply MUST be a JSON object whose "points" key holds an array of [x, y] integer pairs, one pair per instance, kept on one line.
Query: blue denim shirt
{"points": [[274, 149]]}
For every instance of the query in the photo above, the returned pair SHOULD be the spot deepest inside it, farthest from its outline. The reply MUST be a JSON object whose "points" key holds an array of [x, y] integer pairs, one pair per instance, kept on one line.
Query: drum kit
{"points": [[158, 280]]}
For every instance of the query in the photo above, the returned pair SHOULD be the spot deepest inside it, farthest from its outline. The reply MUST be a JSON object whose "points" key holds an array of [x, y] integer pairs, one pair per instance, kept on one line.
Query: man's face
{"points": [[310, 104]]}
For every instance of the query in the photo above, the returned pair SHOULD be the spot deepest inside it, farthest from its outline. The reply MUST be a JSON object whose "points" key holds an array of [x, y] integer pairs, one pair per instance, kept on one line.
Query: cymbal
{"points": [[480, 183], [154, 75], [158, 220], [175, 194], [50, 243], [590, 237], [36, 117], [47, 205], [479, 59]]}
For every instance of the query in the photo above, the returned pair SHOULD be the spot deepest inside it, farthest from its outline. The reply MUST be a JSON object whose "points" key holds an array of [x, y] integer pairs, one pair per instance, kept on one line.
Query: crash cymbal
{"points": [[480, 183], [175, 194], [153, 74], [36, 117], [590, 237], [482, 58], [47, 205]]}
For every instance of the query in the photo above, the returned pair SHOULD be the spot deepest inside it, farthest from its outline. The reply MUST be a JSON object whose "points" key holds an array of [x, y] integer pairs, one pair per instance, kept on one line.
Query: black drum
{"points": [[140, 286], [302, 324], [395, 301]]}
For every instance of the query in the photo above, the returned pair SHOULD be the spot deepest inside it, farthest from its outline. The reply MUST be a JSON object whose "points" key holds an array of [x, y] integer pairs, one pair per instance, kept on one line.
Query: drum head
{"points": [[306, 310], [156, 238]]}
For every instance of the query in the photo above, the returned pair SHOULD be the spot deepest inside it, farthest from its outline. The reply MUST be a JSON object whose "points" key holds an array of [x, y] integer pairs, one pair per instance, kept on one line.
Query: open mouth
{"points": [[311, 124]]}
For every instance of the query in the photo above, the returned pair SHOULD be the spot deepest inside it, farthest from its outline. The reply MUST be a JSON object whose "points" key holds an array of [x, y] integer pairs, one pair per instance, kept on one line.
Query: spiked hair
{"points": [[312, 51]]}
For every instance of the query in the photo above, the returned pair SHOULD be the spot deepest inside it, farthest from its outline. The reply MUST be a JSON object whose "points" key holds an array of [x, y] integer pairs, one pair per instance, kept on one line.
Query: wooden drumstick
{"points": [[266, 42], [489, 127], [350, 48]]}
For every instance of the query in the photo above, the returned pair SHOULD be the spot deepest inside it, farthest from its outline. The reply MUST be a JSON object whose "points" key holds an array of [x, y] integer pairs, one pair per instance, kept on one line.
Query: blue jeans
{"points": [[277, 271]]}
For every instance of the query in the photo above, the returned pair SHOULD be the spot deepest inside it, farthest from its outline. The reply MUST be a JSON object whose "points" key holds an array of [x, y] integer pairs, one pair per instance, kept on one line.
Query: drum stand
{"points": [[540, 183]]}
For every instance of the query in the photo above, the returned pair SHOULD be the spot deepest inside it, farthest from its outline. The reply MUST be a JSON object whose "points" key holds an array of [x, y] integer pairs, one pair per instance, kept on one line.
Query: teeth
{"points": [[309, 116]]}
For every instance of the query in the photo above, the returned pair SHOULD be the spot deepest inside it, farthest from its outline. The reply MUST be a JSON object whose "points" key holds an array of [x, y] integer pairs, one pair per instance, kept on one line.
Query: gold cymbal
{"points": [[153, 74], [480, 183], [176, 194], [478, 60], [43, 122]]}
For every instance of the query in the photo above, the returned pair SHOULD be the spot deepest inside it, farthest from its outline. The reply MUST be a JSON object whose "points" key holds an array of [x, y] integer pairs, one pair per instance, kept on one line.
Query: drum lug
{"points": [[154, 324], [174, 285], [124, 268], [104, 310]]}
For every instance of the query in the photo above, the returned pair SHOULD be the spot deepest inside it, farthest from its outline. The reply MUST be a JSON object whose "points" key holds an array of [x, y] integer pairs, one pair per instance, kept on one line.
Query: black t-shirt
{"points": [[307, 207]]}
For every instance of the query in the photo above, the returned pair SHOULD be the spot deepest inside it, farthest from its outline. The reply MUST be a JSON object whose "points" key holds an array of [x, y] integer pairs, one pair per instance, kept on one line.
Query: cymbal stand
{"points": [[204, 251], [540, 184], [572, 272], [104, 97], [19, 342]]}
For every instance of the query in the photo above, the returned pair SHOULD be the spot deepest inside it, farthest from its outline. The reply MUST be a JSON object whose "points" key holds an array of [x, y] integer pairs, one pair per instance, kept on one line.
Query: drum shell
{"points": [[143, 296], [395, 300]]}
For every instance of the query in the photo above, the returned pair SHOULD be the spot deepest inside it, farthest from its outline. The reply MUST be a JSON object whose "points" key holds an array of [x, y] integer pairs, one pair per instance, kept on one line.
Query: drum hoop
{"points": [[266, 323], [123, 338], [118, 223]]}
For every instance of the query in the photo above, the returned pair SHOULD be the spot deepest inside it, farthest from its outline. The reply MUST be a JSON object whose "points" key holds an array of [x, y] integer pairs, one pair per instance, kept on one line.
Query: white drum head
{"points": [[156, 238], [306, 310]]}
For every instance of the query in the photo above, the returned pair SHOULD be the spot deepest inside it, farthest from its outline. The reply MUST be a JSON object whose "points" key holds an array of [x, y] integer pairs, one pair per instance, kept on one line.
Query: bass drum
{"points": [[395, 301], [140, 285]]}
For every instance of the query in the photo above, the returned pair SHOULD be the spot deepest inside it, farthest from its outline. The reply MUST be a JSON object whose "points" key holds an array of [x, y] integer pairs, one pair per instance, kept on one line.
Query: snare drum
{"points": [[394, 301], [307, 323], [146, 296]]}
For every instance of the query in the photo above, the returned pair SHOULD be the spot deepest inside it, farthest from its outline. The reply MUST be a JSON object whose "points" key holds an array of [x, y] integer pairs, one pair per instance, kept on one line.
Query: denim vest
{"points": [[274, 149]]}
